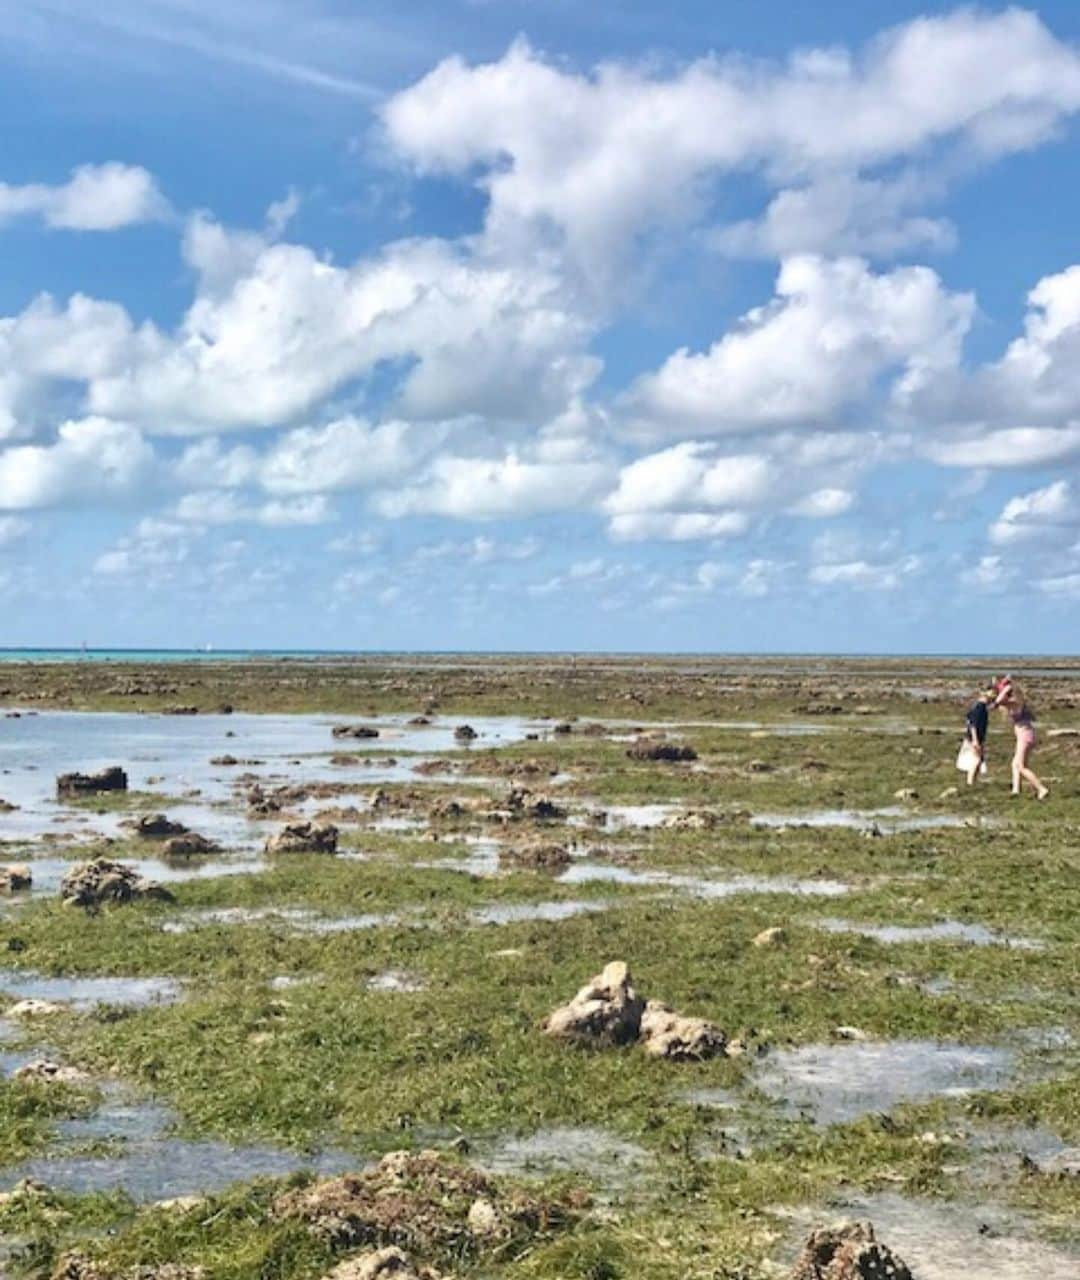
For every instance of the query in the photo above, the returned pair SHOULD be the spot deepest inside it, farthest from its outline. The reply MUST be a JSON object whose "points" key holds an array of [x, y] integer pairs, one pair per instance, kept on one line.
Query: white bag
{"points": [[967, 757]]}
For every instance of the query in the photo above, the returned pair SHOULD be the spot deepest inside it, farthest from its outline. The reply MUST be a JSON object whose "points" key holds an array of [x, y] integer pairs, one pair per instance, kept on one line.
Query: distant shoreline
{"points": [[65, 655]]}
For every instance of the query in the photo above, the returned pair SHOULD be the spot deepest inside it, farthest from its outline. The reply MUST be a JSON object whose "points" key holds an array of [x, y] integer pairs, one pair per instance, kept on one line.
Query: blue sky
{"points": [[508, 324]]}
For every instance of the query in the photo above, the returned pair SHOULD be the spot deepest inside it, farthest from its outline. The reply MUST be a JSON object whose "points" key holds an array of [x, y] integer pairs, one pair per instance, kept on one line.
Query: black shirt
{"points": [[978, 721]]}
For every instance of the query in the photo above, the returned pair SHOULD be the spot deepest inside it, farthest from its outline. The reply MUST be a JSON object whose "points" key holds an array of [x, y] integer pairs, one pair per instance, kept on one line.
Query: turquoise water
{"points": [[163, 655], [1027, 665]]}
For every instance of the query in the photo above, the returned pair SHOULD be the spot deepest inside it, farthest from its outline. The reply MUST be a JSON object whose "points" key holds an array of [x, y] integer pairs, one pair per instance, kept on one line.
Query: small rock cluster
{"points": [[354, 731], [93, 884], [422, 1202], [382, 1264], [189, 845], [654, 749], [45, 1071], [82, 784], [848, 1252], [154, 826], [77, 1266], [608, 1011], [537, 856], [15, 878], [304, 837]]}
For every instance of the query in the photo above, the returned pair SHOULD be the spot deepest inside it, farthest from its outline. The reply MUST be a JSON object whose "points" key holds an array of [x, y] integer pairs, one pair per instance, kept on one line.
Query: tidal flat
{"points": [[897, 988]]}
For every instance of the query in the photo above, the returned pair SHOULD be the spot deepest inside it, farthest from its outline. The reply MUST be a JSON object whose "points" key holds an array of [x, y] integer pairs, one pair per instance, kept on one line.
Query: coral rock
{"points": [[607, 1010], [667, 1034], [849, 1252], [75, 784], [94, 883], [304, 837]]}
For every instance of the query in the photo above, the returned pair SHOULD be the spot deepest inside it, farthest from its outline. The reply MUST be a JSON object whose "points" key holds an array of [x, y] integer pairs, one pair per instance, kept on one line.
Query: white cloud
{"points": [[839, 213], [1041, 513], [479, 550], [1009, 447], [991, 575], [349, 453], [275, 329], [760, 576], [153, 551], [219, 506], [91, 458], [677, 526], [487, 488], [363, 543], [103, 197], [1063, 586], [690, 476], [1021, 410], [832, 330], [824, 504], [691, 490], [866, 575], [598, 159], [45, 342]]}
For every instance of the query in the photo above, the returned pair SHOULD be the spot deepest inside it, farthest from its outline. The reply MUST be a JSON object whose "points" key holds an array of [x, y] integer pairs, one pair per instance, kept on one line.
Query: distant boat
{"points": [[208, 648]]}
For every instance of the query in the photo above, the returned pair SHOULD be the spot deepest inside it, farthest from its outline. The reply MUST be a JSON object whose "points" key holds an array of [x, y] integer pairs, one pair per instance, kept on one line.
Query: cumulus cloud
{"points": [[154, 549], [839, 214], [693, 490], [865, 575], [594, 160], [479, 550], [833, 328], [219, 506], [1038, 514], [677, 526], [824, 504], [1026, 404], [1008, 447], [90, 459], [45, 342], [468, 488], [278, 329], [102, 197]]}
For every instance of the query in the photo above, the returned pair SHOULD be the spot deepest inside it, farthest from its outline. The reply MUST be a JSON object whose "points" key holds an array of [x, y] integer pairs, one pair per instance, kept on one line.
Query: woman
{"points": [[1015, 706]]}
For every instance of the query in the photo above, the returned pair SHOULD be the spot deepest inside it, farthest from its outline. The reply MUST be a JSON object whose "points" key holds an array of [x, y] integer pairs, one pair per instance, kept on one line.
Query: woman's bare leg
{"points": [[1021, 770]]}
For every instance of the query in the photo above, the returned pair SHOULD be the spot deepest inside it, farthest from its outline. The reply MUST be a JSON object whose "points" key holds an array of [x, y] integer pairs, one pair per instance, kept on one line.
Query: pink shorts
{"points": [[1025, 735]]}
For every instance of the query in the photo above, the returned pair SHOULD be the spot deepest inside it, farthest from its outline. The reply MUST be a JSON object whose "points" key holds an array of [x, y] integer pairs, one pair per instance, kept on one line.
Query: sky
{"points": [[529, 324]]}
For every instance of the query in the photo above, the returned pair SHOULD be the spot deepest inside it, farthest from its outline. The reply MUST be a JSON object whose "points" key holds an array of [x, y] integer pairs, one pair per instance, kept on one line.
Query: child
{"points": [[977, 724]]}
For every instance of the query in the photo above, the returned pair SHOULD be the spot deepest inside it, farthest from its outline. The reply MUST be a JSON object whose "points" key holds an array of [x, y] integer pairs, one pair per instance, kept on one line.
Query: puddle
{"points": [[300, 918], [154, 1168], [838, 1083], [890, 821], [1001, 1147], [645, 817], [524, 912], [396, 981], [149, 1165], [946, 1241], [85, 992], [944, 931], [307, 921], [172, 755], [612, 1163], [49, 872], [702, 886]]}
